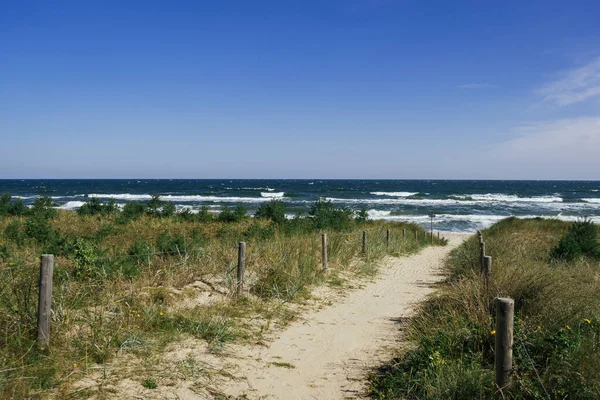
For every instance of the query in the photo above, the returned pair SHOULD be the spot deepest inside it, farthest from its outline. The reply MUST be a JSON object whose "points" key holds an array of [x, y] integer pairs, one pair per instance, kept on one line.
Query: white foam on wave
{"points": [[181, 198], [510, 198], [592, 200], [394, 194], [272, 195], [71, 205], [475, 220]]}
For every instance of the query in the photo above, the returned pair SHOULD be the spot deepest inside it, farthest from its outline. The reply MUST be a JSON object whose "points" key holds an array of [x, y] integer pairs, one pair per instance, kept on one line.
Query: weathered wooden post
{"points": [[45, 299], [487, 267], [387, 238], [403, 232], [481, 256], [364, 241], [241, 267], [324, 251], [416, 235], [438, 235], [505, 314]]}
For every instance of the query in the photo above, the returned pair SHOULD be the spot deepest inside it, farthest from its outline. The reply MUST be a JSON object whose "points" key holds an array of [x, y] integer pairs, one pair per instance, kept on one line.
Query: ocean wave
{"points": [[71, 205], [595, 200], [272, 195], [181, 198], [509, 198], [394, 194]]}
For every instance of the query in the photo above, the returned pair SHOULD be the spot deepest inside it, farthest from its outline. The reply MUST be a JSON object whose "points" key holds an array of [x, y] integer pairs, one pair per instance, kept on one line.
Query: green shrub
{"points": [[131, 211], [40, 229], [159, 208], [325, 215], [140, 251], [95, 207], [170, 245], [4, 252], [43, 207], [259, 232], [362, 216], [8, 206], [150, 383], [273, 210], [15, 232], [238, 214], [580, 240]]}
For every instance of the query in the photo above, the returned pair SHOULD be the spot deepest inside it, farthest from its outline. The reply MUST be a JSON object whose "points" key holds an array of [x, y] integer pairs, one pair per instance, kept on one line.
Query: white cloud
{"points": [[574, 86], [562, 149], [477, 86]]}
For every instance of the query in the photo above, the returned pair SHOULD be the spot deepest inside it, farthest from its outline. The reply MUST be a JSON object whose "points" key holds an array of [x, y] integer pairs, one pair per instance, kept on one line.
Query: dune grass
{"points": [[557, 323], [130, 282]]}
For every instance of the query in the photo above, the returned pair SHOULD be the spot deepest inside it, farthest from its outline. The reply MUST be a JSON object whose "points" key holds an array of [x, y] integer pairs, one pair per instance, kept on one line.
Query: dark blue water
{"points": [[458, 205]]}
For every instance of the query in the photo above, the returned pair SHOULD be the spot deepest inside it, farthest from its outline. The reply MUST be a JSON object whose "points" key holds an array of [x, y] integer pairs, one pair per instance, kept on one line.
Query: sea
{"points": [[451, 205]]}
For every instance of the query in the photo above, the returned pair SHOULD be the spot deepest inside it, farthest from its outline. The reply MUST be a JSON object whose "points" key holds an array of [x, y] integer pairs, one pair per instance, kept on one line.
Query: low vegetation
{"points": [[551, 269], [129, 281]]}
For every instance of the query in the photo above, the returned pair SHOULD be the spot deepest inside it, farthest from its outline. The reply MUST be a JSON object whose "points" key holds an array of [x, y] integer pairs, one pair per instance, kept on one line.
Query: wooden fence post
{"points": [[45, 299], [241, 267], [364, 242], [481, 256], [487, 267], [505, 314], [403, 232], [324, 251], [438, 235], [387, 238], [416, 235]]}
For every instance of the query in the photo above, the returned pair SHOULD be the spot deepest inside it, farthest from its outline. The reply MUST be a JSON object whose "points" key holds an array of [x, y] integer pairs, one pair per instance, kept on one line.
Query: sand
{"points": [[327, 354]]}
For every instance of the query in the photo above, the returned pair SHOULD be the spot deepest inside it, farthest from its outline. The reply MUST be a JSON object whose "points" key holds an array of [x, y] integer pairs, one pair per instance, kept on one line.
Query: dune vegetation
{"points": [[129, 280], [552, 271]]}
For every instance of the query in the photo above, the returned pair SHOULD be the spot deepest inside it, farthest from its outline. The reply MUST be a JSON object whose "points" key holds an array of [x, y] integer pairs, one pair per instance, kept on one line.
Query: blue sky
{"points": [[300, 89]]}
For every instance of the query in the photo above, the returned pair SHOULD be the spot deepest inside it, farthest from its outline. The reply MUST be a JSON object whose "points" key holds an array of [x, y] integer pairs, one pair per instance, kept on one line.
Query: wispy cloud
{"points": [[573, 86], [561, 149], [477, 86]]}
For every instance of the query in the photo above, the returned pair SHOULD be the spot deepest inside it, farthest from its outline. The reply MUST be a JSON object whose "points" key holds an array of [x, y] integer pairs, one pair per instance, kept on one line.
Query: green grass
{"points": [[125, 283], [557, 312]]}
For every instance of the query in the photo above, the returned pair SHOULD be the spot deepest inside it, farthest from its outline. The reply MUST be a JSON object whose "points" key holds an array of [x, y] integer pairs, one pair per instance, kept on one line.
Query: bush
{"points": [[159, 208], [362, 216], [95, 207], [131, 211], [8, 206], [40, 229], [170, 245], [43, 207], [325, 215], [140, 250], [15, 232], [580, 240], [273, 210], [239, 214]]}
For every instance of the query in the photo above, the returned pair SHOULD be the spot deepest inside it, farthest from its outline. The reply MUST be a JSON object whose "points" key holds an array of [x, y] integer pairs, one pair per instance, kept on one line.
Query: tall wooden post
{"points": [[45, 299], [364, 242], [487, 267], [241, 267], [481, 256], [387, 238], [505, 314], [324, 251]]}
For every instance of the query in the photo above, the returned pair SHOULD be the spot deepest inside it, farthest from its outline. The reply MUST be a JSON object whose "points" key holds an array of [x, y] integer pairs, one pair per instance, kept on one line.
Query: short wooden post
{"points": [[438, 235], [505, 314], [241, 267], [416, 235], [324, 251], [364, 242], [387, 238], [487, 267], [481, 256], [403, 232], [45, 299]]}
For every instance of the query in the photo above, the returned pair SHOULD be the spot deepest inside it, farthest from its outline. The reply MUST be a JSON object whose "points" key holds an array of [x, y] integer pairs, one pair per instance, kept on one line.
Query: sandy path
{"points": [[327, 354]]}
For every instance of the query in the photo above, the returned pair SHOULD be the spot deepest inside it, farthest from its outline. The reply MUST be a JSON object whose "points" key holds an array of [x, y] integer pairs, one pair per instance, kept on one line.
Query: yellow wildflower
{"points": [[587, 320], [568, 327], [75, 365], [161, 313], [493, 332]]}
